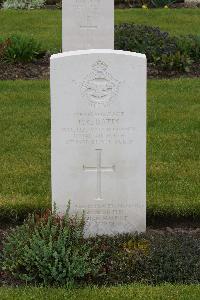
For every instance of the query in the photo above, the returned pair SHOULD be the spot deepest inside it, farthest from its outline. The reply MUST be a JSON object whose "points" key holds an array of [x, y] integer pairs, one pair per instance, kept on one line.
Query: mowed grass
{"points": [[45, 25], [172, 149], [131, 292], [175, 21], [25, 147]]}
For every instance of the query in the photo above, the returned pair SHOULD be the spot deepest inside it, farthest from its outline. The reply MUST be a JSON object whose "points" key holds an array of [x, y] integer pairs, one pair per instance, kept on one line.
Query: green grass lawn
{"points": [[136, 292], [172, 149], [175, 21], [25, 145], [45, 25]]}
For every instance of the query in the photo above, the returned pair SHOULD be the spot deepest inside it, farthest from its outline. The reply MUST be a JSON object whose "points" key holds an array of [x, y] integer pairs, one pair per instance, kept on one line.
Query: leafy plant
{"points": [[152, 258], [144, 39], [20, 48], [23, 4], [4, 44], [162, 3], [49, 250], [162, 50], [132, 3], [52, 250], [177, 61], [189, 45]]}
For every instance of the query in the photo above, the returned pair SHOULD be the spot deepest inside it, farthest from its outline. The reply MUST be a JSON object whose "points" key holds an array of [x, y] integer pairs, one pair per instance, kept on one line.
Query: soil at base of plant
{"points": [[162, 74], [40, 69]]}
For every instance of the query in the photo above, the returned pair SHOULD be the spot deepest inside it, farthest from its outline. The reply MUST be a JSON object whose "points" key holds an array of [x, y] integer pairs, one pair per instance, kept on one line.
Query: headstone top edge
{"points": [[96, 51]]}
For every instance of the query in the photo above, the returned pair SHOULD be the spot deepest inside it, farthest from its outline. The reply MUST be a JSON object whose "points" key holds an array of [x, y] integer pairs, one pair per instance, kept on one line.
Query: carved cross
{"points": [[99, 169]]}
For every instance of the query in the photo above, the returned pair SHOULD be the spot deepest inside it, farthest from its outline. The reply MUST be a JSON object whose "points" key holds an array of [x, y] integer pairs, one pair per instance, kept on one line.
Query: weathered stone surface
{"points": [[98, 104], [87, 24]]}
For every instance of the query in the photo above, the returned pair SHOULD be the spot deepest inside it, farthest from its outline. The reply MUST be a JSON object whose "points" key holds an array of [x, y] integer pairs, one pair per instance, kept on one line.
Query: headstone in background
{"points": [[87, 24], [192, 3], [98, 102]]}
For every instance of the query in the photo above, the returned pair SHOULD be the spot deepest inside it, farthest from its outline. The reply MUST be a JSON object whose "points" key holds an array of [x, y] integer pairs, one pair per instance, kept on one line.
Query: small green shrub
{"points": [[170, 62], [162, 50], [162, 3], [149, 258], [20, 48], [23, 4], [4, 44], [130, 3], [52, 250], [51, 2], [49, 250], [189, 45]]}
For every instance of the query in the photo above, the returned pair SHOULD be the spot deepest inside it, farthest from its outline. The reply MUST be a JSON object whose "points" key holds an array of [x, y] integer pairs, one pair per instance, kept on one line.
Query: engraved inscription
{"points": [[99, 128], [87, 24], [99, 87], [106, 213], [87, 13]]}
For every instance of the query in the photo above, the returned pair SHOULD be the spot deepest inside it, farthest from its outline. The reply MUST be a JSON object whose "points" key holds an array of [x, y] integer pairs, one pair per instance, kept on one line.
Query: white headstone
{"points": [[192, 2], [98, 103], [87, 24]]}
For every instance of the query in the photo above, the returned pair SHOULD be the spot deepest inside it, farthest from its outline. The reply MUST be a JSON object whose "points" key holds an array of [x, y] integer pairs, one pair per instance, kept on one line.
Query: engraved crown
{"points": [[99, 67]]}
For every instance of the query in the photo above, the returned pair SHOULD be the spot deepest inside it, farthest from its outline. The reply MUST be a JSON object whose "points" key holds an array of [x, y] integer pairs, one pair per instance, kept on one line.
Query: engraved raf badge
{"points": [[99, 87]]}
